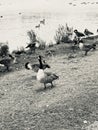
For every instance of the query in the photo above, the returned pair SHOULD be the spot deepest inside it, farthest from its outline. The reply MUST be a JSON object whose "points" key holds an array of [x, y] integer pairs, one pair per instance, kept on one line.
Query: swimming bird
{"points": [[87, 32], [86, 48], [42, 21], [8, 61], [45, 77], [35, 67], [37, 26], [78, 34]]}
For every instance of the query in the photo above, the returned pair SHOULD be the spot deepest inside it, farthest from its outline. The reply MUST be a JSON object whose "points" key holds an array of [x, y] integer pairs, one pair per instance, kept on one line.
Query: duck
{"points": [[35, 67], [86, 48], [45, 77], [78, 34], [8, 61], [87, 32]]}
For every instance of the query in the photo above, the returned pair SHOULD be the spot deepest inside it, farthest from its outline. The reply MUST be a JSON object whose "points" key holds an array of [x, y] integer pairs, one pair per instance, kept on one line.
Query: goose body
{"points": [[87, 32], [31, 45], [37, 26], [78, 34], [7, 61], [81, 46], [86, 48], [45, 77], [42, 21]]}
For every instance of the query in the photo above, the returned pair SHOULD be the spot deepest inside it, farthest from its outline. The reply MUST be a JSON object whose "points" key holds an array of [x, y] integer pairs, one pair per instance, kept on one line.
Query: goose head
{"points": [[75, 30]]}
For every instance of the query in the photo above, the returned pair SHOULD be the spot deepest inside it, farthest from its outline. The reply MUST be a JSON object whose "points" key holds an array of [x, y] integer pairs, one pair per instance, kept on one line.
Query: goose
{"points": [[45, 77], [35, 67], [78, 34], [31, 46], [7, 61], [86, 48], [87, 32], [42, 21], [37, 26]]}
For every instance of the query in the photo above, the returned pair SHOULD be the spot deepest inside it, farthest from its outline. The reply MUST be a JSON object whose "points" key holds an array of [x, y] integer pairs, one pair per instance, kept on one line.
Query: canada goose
{"points": [[37, 26], [7, 61], [86, 48], [87, 32], [42, 21], [78, 34], [35, 67], [31, 46], [44, 77]]}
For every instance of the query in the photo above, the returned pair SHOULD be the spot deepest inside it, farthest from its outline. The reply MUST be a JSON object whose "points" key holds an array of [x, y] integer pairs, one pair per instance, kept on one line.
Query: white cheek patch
{"points": [[29, 66]]}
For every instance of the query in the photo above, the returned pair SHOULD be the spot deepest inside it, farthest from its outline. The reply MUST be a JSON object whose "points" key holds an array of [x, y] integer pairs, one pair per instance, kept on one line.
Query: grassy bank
{"points": [[71, 105]]}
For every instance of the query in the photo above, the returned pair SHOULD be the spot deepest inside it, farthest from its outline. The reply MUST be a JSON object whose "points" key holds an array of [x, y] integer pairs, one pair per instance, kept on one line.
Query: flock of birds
{"points": [[47, 77], [78, 40], [8, 61], [84, 3]]}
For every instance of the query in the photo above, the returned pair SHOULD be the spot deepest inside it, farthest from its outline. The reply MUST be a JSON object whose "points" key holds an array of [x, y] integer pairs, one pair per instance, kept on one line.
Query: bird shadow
{"points": [[42, 89], [33, 77]]}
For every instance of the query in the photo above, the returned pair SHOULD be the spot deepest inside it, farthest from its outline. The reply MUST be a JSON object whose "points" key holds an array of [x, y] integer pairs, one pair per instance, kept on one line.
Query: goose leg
{"points": [[85, 53], [44, 86], [7, 67], [52, 85]]}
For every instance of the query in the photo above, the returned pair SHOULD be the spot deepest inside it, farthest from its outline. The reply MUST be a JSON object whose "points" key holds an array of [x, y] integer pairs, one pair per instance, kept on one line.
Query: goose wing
{"points": [[50, 76], [5, 61]]}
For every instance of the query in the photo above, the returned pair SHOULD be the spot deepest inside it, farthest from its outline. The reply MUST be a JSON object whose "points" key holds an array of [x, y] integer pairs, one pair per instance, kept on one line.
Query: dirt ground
{"points": [[72, 104]]}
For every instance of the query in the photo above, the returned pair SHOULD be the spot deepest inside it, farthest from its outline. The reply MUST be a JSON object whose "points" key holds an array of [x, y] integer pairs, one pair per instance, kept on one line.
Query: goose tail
{"points": [[28, 66], [55, 77]]}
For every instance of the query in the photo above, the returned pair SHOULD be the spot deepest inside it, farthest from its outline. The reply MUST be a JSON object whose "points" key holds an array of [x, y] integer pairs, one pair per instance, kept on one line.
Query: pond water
{"points": [[14, 25]]}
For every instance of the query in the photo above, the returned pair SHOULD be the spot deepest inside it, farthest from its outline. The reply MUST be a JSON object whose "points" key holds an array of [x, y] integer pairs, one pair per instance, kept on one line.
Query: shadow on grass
{"points": [[42, 89]]}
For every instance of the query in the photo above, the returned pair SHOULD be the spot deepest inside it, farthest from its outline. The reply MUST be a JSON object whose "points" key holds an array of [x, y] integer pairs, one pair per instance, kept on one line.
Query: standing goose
{"points": [[86, 48], [8, 61], [37, 26], [44, 77], [78, 34]]}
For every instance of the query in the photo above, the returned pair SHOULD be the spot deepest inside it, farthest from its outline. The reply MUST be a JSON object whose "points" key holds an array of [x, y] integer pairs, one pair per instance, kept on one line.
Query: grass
{"points": [[71, 105]]}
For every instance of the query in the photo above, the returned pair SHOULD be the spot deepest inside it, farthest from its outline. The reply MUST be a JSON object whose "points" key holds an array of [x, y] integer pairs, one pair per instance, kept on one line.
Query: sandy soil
{"points": [[71, 105]]}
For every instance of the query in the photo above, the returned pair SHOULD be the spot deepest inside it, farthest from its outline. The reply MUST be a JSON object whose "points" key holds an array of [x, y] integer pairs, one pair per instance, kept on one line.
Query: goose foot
{"points": [[52, 85]]}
